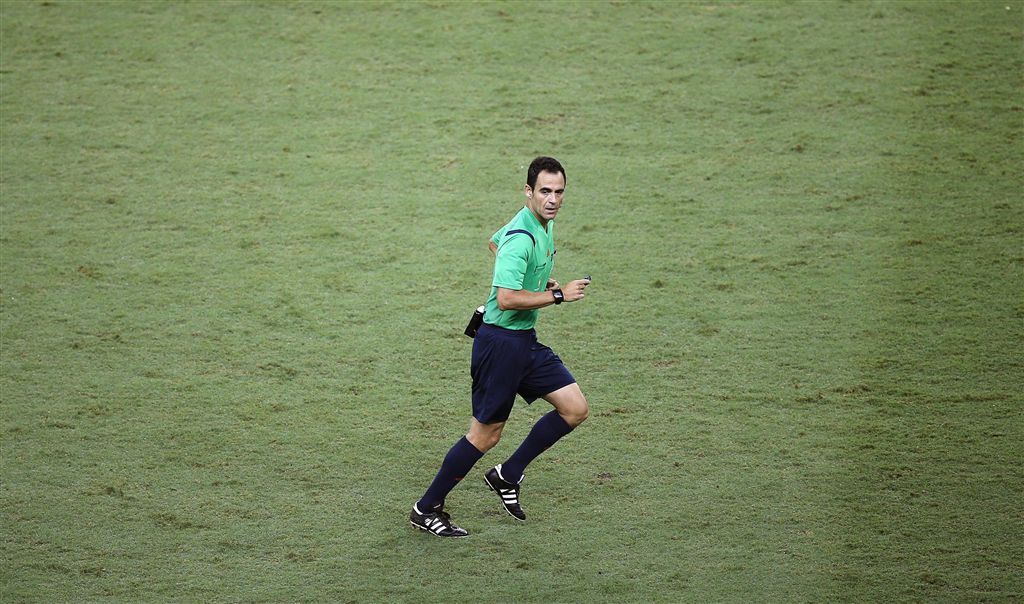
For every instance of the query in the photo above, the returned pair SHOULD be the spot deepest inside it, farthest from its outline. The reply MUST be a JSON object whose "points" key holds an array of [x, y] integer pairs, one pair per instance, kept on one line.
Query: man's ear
{"points": [[528, 191]]}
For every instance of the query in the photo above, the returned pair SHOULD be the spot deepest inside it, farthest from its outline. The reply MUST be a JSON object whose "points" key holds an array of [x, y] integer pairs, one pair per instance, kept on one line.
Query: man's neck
{"points": [[543, 222]]}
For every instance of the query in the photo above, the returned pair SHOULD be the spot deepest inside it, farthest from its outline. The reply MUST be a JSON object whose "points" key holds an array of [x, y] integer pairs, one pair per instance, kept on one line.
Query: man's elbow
{"points": [[504, 299]]}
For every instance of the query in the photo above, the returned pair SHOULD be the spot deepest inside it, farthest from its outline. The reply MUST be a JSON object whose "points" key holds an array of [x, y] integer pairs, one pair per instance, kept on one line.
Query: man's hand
{"points": [[552, 284], [574, 290]]}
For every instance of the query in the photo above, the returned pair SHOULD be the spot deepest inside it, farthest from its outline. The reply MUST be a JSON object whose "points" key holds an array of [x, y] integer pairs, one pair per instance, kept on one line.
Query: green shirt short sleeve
{"points": [[512, 259]]}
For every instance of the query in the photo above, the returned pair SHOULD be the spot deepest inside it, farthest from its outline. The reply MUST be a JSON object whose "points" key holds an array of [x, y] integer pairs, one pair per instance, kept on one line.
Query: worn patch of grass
{"points": [[238, 244]]}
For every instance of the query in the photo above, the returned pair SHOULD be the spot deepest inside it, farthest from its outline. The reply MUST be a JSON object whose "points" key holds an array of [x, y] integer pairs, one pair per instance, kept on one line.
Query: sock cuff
{"points": [[563, 425], [497, 468], [469, 448]]}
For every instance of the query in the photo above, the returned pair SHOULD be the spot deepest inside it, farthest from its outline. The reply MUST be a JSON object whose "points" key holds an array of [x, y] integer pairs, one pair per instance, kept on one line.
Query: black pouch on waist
{"points": [[475, 321]]}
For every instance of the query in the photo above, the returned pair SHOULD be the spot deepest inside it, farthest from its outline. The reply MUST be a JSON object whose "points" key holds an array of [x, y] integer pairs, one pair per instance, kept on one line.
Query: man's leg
{"points": [[571, 410], [459, 461], [428, 513]]}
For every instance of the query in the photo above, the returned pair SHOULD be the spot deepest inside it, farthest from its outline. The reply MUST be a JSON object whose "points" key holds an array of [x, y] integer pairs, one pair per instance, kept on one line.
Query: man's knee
{"points": [[570, 404], [576, 413], [484, 436], [584, 413], [484, 442]]}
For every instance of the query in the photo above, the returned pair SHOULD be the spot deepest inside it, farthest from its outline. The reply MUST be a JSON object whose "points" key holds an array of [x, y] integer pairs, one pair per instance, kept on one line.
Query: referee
{"points": [[508, 359]]}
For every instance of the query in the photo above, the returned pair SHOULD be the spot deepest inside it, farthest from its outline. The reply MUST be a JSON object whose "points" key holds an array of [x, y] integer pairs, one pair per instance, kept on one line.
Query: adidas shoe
{"points": [[508, 492], [436, 522]]}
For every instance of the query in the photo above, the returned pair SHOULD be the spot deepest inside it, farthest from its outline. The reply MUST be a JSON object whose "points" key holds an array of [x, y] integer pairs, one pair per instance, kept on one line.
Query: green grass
{"points": [[239, 242]]}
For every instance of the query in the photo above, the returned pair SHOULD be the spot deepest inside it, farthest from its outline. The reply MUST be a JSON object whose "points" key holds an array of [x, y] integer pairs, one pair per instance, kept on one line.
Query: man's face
{"points": [[545, 198]]}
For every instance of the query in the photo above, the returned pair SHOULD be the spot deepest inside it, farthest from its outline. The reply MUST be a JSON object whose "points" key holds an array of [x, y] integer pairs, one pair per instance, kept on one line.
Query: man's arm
{"points": [[522, 299]]}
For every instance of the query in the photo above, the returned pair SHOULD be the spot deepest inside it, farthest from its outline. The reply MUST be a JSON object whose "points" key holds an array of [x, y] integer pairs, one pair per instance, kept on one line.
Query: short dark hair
{"points": [[543, 164]]}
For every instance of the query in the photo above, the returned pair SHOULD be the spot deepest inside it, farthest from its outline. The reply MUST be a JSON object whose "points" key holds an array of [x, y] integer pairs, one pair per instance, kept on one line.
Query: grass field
{"points": [[239, 243]]}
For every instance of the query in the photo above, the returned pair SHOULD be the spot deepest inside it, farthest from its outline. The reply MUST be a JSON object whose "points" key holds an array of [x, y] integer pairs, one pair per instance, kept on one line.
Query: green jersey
{"points": [[525, 256]]}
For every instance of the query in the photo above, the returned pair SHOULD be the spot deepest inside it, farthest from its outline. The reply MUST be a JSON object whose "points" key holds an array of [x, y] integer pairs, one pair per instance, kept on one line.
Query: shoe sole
{"points": [[430, 532], [494, 490]]}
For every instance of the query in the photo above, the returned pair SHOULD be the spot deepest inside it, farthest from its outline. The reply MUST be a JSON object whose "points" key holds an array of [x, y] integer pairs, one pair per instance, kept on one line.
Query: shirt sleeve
{"points": [[511, 261]]}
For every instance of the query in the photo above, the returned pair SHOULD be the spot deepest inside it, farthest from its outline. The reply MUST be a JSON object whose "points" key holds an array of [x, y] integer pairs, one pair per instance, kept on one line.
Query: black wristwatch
{"points": [[559, 298]]}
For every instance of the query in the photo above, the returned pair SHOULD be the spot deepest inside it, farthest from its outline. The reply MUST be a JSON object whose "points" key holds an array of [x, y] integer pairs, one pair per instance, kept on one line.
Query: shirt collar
{"points": [[533, 219]]}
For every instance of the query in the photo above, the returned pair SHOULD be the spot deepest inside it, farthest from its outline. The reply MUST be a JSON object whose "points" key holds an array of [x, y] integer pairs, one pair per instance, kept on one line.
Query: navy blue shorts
{"points": [[507, 362]]}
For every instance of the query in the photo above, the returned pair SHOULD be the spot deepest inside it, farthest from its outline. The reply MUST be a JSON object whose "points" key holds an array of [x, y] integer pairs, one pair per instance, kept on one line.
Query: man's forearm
{"points": [[522, 299]]}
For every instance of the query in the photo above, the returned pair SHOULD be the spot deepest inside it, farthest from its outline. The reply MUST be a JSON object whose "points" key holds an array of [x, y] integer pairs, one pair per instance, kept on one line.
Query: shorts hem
{"points": [[529, 401]]}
